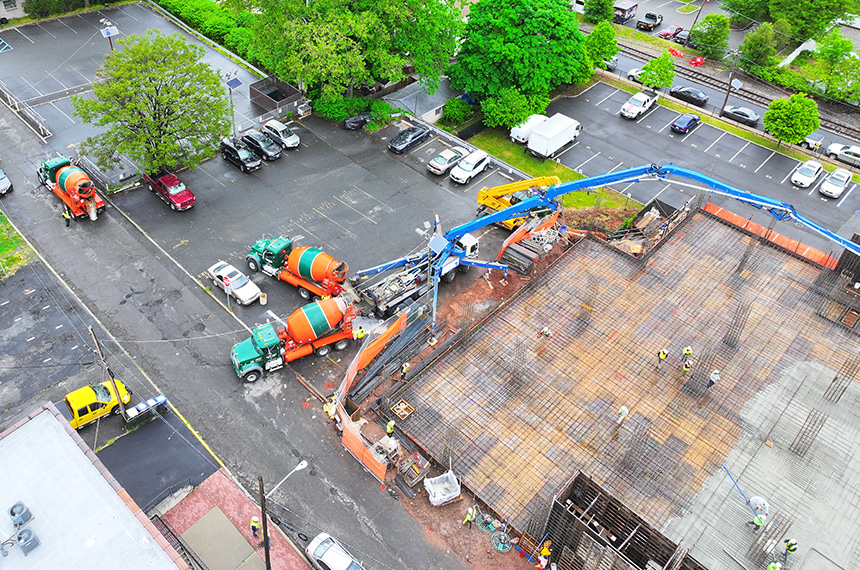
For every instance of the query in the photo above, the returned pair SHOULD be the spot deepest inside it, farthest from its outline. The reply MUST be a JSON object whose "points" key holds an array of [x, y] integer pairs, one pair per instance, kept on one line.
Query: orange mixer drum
{"points": [[75, 181], [316, 265], [311, 321]]}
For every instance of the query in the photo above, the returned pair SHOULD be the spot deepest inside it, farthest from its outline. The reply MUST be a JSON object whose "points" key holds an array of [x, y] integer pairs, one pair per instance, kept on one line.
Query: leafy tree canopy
{"points": [[712, 35], [601, 44], [531, 45], [793, 119], [511, 108], [808, 19], [743, 13], [759, 46], [659, 72], [782, 34], [162, 105], [596, 11]]}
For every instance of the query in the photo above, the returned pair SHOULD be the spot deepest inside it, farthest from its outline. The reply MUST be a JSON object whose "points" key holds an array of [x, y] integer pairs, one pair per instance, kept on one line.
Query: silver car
{"points": [[281, 134], [835, 183], [325, 553], [242, 289], [849, 154], [445, 160]]}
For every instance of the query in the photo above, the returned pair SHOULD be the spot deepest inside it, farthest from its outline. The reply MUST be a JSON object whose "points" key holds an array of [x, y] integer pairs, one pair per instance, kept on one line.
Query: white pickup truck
{"points": [[637, 105]]}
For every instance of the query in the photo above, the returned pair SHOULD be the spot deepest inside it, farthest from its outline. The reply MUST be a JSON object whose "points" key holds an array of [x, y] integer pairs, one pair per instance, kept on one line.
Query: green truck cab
{"points": [[262, 351], [269, 255]]}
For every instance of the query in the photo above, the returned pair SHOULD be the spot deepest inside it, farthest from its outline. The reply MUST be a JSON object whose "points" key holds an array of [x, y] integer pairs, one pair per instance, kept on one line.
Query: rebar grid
{"points": [[532, 409]]}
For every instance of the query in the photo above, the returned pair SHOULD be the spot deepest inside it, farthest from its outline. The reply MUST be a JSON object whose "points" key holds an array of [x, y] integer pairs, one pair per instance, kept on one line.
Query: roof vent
{"points": [[20, 514], [27, 540]]}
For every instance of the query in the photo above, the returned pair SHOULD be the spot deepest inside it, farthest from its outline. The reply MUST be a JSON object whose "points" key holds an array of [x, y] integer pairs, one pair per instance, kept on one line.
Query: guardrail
{"points": [[24, 112]]}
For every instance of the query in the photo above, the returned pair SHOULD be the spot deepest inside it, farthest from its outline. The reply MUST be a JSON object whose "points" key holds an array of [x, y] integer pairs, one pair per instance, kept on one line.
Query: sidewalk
{"points": [[214, 521]]}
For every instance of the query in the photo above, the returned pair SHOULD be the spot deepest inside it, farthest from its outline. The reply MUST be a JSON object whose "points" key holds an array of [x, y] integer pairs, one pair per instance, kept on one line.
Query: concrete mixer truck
{"points": [[73, 186], [313, 271], [315, 328]]}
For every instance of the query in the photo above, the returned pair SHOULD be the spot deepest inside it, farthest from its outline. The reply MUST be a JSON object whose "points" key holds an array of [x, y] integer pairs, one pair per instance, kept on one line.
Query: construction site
{"points": [[553, 408]]}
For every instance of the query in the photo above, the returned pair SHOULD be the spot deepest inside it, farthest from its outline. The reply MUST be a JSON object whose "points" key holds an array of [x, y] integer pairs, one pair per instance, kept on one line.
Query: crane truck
{"points": [[447, 250], [312, 271], [73, 186], [317, 328], [500, 197]]}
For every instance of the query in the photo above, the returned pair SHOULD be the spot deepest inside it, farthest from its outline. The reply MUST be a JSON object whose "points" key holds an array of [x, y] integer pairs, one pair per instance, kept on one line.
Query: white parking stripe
{"points": [[124, 11], [565, 150], [65, 115], [846, 195], [614, 168], [715, 142], [738, 152], [814, 187], [32, 86], [57, 80], [664, 127], [25, 37], [46, 31], [660, 192], [598, 104], [65, 24], [490, 173], [796, 166], [586, 162], [765, 160]]}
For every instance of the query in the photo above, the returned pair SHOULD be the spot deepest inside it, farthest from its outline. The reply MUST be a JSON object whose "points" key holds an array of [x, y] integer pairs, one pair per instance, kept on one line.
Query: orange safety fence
{"points": [[792, 245], [354, 443]]}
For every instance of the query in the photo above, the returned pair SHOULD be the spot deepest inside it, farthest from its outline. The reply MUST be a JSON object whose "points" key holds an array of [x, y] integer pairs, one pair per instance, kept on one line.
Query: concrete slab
{"points": [[229, 551]]}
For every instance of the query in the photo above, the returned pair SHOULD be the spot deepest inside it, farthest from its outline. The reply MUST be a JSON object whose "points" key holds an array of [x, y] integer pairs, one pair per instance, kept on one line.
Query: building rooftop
{"points": [[521, 413], [81, 516]]}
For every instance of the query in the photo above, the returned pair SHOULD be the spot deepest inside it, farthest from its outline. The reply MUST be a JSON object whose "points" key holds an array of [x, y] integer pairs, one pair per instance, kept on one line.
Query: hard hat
{"points": [[255, 519]]}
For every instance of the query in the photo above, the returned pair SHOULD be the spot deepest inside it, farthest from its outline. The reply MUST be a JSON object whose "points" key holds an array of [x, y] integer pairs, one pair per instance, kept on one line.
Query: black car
{"points": [[685, 39], [686, 123], [741, 115], [690, 95], [236, 152], [262, 145], [408, 138], [358, 122]]}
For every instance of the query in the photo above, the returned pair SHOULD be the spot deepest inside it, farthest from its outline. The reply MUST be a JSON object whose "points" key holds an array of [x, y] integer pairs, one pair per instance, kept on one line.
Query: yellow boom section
{"points": [[492, 200]]}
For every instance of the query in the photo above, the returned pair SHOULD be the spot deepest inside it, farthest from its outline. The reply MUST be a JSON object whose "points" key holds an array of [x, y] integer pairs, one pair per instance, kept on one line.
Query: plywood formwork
{"points": [[524, 412]]}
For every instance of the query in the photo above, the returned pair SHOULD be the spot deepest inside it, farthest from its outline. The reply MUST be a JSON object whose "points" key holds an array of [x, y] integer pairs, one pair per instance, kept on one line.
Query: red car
{"points": [[171, 189], [670, 32]]}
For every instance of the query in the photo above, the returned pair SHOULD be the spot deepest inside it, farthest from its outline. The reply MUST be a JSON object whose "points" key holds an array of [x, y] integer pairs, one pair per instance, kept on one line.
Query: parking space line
{"points": [[796, 166], [213, 178], [839, 205], [661, 191], [57, 80], [614, 168], [586, 162], [335, 223], [565, 150], [87, 79], [765, 160], [46, 31], [328, 245], [354, 210], [738, 152], [65, 24], [814, 187], [664, 127], [381, 203], [25, 37], [598, 104], [490, 173], [65, 115], [431, 139], [33, 87], [645, 116], [715, 142], [129, 15]]}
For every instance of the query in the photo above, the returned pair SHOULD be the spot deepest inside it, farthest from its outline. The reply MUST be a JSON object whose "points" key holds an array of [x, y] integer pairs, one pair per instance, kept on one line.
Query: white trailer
{"points": [[548, 138], [521, 133]]}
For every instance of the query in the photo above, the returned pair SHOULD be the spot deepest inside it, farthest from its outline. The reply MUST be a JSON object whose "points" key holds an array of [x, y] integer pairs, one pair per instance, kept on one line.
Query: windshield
{"points": [[466, 165], [266, 142], [245, 154], [102, 394], [237, 280], [807, 170], [176, 189], [637, 100], [440, 160], [839, 178]]}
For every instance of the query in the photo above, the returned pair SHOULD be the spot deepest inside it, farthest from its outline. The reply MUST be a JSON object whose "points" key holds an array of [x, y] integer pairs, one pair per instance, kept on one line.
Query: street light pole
{"points": [[108, 31], [232, 83], [263, 496]]}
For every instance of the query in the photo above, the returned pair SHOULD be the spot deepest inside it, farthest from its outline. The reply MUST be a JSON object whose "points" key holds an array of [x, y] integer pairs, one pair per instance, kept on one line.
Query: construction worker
{"points": [[471, 515], [687, 366], [790, 547], [389, 428], [774, 566], [403, 370], [687, 353], [622, 413], [67, 216], [325, 297], [545, 332], [255, 526], [713, 378], [758, 522], [359, 334], [661, 356]]}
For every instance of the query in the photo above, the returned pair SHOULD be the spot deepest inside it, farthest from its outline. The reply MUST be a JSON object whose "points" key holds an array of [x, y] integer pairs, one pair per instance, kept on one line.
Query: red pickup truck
{"points": [[171, 189]]}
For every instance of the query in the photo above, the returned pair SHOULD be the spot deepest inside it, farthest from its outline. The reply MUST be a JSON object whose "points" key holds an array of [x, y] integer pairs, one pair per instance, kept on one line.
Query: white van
{"points": [[520, 133]]}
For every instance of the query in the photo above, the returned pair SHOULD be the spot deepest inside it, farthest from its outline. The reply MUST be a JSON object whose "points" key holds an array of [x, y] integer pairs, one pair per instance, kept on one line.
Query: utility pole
{"points": [[265, 523], [109, 373], [696, 19], [732, 81]]}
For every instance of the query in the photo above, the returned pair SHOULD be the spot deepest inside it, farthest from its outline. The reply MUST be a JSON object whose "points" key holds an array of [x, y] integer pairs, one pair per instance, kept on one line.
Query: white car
{"points": [[846, 153], [835, 183], [807, 174], [638, 104], [445, 160], [470, 167], [325, 553], [242, 289]]}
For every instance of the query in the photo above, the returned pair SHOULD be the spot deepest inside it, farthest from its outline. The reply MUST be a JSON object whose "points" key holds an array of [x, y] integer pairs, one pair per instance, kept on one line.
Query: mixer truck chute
{"points": [[311, 270], [315, 328], [73, 186]]}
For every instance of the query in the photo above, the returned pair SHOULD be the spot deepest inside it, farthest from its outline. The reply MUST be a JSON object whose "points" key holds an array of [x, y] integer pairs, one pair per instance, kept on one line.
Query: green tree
{"points": [[793, 119], [808, 19], [711, 34], [743, 13], [782, 34], [532, 45], [601, 44], [45, 8], [659, 72], [596, 11], [162, 105], [759, 46], [510, 108], [833, 48]]}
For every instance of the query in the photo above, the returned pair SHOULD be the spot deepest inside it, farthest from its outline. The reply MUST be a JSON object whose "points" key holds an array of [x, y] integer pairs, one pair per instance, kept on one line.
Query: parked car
{"points": [[358, 122], [611, 64], [90, 403], [670, 31], [741, 114], [634, 74], [689, 94], [171, 190], [470, 167], [649, 21], [685, 39], [262, 145], [281, 134], [835, 183], [5, 183], [238, 153], [242, 289], [408, 138], [849, 154], [445, 160], [807, 174], [638, 104], [686, 123], [325, 553], [813, 141]]}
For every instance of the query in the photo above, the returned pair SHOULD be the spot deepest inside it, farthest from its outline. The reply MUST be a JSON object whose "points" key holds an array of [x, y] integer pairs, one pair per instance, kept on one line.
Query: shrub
{"points": [[455, 112], [339, 108]]}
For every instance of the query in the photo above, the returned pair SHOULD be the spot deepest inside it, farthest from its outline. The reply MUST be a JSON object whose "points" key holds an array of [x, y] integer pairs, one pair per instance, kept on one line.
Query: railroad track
{"points": [[753, 97]]}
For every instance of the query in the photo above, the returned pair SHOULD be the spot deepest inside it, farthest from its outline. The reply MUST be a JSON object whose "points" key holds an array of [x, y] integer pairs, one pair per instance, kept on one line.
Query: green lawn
{"points": [[14, 252]]}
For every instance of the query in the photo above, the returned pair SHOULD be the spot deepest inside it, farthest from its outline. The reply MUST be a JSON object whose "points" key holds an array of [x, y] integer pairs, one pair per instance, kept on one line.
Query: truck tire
{"points": [[323, 351], [464, 268], [304, 294], [115, 410], [253, 265], [252, 376], [832, 156], [449, 277], [342, 344]]}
